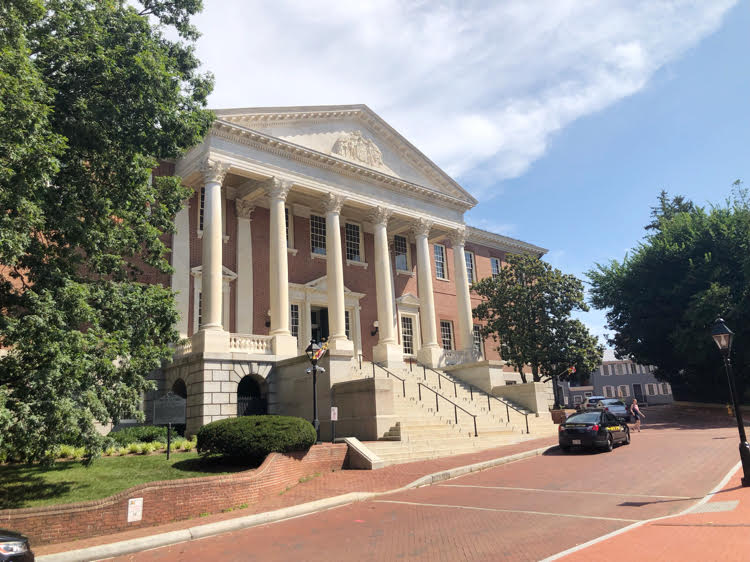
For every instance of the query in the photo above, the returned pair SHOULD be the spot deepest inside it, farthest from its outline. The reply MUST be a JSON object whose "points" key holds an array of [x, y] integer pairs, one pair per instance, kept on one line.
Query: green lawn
{"points": [[67, 482]]}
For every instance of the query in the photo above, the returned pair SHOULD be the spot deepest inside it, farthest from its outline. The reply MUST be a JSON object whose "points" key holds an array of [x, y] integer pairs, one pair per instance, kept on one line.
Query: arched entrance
{"points": [[179, 388], [249, 398]]}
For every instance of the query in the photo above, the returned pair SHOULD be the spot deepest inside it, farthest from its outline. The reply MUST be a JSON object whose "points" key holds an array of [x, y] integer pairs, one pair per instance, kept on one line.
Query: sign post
{"points": [[169, 409], [334, 418]]}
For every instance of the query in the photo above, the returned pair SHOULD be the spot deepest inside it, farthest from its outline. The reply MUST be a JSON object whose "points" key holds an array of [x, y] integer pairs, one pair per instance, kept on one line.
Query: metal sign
{"points": [[170, 408], [334, 413], [135, 509]]}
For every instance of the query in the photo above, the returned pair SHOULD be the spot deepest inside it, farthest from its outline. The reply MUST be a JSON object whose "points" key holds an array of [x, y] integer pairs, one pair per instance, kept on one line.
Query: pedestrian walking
{"points": [[635, 411]]}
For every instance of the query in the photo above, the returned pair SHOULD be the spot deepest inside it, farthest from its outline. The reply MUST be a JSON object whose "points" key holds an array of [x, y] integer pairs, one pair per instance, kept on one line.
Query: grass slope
{"points": [[67, 482]]}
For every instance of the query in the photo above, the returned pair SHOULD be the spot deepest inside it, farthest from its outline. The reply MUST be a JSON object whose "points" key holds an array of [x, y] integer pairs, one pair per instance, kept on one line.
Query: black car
{"points": [[593, 429], [14, 547]]}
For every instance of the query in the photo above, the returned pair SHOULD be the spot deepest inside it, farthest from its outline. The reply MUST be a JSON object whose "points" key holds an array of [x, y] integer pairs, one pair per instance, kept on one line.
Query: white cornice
{"points": [[500, 242], [250, 137]]}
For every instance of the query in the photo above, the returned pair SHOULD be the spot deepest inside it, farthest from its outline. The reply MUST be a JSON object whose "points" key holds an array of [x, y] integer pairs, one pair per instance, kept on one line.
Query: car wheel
{"points": [[627, 436], [610, 444]]}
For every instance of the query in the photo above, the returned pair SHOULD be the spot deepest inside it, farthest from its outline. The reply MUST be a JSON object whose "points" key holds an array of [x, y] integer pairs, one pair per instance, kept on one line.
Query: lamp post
{"points": [[313, 354], [722, 335]]}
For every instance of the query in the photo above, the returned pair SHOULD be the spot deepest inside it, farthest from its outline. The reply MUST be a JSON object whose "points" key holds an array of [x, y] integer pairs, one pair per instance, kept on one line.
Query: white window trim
{"points": [[481, 342], [227, 277], [201, 213], [453, 335], [625, 394], [362, 260], [317, 254], [577, 399], [445, 263], [473, 277], [290, 242], [416, 336], [408, 270], [492, 267]]}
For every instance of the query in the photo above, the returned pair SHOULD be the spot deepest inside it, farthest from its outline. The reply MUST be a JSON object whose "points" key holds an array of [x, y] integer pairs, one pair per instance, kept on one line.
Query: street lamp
{"points": [[723, 338], [313, 354]]}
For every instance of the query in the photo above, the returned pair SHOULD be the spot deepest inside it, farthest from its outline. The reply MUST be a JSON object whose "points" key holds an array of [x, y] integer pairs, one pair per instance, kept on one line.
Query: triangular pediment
{"points": [[320, 285], [408, 299], [353, 134]]}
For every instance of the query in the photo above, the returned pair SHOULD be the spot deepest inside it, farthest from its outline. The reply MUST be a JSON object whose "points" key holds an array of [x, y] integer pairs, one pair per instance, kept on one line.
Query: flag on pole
{"points": [[571, 370]]}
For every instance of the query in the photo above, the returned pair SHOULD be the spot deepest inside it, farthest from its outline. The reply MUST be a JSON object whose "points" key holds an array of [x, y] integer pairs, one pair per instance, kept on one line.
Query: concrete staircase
{"points": [[432, 428]]}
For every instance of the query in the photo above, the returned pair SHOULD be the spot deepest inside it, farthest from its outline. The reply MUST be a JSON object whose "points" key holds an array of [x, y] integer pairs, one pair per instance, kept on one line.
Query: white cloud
{"points": [[472, 84]]}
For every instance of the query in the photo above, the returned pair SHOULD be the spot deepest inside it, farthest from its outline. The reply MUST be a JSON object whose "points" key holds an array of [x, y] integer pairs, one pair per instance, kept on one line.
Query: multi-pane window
{"points": [[470, 269], [201, 208], [200, 309], [446, 334], [407, 335], [400, 251], [577, 399], [478, 340], [286, 219], [352, 242], [609, 391], [317, 235], [651, 389], [440, 271], [605, 370], [665, 388], [623, 391], [294, 320], [347, 325], [495, 266]]}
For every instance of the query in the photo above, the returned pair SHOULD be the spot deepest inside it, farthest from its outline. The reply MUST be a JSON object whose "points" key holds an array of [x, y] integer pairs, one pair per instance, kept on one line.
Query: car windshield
{"points": [[587, 417], [595, 398], [611, 402]]}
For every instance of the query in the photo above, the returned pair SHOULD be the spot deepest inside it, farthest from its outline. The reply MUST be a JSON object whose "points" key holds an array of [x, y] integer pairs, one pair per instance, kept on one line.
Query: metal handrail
{"points": [[508, 407], [389, 374], [456, 407]]}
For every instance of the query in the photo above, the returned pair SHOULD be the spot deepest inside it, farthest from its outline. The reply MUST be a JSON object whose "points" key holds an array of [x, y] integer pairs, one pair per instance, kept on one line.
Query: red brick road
{"points": [[522, 511]]}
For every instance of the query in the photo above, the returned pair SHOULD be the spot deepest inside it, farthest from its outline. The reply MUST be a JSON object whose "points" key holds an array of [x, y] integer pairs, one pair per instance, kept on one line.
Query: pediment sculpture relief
{"points": [[356, 148]]}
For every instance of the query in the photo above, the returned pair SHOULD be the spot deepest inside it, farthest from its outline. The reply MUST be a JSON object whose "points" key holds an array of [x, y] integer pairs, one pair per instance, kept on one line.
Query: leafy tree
{"points": [[527, 308], [693, 266], [93, 93]]}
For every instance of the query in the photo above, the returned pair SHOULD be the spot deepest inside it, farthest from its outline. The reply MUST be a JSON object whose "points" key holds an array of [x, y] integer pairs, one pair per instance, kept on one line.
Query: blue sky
{"points": [[564, 118]]}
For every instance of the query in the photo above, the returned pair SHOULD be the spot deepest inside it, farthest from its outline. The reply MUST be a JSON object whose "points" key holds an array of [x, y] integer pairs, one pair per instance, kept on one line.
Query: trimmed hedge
{"points": [[139, 434], [254, 437]]}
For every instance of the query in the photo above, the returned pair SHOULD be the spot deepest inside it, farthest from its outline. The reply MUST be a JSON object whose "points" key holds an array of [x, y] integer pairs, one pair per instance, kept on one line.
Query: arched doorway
{"points": [[179, 388], [249, 399]]}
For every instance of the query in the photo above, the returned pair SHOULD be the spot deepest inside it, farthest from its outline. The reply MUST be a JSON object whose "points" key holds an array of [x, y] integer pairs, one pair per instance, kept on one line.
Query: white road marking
{"points": [[510, 511], [603, 538], [565, 491]]}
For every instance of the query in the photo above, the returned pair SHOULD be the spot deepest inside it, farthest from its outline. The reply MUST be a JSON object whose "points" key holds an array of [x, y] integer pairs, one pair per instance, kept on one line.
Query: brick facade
{"points": [[172, 500]]}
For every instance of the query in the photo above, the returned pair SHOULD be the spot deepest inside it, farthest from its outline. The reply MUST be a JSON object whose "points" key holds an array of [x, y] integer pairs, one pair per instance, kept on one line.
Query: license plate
{"points": [[576, 441]]}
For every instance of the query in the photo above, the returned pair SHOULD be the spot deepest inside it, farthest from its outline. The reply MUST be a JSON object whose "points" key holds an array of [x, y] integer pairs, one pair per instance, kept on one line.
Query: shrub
{"points": [[254, 437], [67, 451], [187, 445], [134, 448], [122, 451], [110, 451], [79, 453], [139, 434]]}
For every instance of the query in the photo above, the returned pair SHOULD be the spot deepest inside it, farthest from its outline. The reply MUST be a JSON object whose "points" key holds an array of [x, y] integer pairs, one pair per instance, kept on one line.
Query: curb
{"points": [[210, 529]]}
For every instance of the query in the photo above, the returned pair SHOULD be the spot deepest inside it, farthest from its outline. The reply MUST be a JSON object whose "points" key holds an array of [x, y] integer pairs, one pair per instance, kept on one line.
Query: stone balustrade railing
{"points": [[251, 343], [183, 347], [458, 357]]}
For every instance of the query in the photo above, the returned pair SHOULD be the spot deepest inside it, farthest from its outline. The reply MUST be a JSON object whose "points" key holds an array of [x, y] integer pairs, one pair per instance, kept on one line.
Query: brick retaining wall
{"points": [[171, 500]]}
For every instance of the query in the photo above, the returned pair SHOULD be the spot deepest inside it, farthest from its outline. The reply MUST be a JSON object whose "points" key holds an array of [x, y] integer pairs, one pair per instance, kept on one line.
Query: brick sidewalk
{"points": [[323, 486]]}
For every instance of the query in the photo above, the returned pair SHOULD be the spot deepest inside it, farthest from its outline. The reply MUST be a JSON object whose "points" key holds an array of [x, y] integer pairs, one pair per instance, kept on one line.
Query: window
{"points": [[407, 335], [609, 391], [201, 208], [289, 229], [577, 399], [294, 320], [440, 270], [623, 391], [605, 370], [619, 369], [651, 389], [401, 251], [446, 334], [200, 310], [470, 266], [665, 389], [495, 267], [353, 242], [317, 235], [478, 340], [347, 325], [587, 394]]}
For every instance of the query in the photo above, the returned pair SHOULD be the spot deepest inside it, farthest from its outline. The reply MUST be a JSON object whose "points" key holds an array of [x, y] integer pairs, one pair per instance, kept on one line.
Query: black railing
{"points": [[479, 391], [456, 407], [390, 374]]}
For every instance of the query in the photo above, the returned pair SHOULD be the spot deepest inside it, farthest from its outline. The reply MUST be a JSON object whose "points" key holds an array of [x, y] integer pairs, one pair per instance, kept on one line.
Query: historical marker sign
{"points": [[334, 413], [135, 509], [170, 408]]}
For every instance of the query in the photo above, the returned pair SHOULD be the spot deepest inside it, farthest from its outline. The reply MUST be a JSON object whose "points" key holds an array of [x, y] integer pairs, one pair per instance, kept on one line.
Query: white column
{"points": [[430, 352], [284, 343], [335, 276], [463, 299], [387, 350], [181, 265], [244, 266], [213, 174]]}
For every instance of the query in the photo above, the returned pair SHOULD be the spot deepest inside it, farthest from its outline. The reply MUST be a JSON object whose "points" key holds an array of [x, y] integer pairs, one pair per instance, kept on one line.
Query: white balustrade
{"points": [[251, 343]]}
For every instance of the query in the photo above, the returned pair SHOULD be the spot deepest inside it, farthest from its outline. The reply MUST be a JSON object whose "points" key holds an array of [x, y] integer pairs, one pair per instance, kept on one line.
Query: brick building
{"points": [[319, 222]]}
